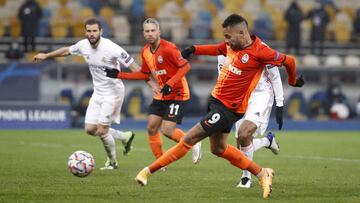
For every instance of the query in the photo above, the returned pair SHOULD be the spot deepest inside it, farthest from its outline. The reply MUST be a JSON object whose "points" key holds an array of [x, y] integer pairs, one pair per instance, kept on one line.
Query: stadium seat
{"points": [[84, 102], [107, 13], [121, 29], [319, 105], [333, 60], [310, 60], [2, 28], [14, 27], [85, 13], [59, 28], [352, 60], [296, 106], [66, 97]]}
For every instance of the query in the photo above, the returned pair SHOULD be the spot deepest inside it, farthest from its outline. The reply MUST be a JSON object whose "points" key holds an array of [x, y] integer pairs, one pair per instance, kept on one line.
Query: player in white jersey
{"points": [[106, 101], [256, 118]]}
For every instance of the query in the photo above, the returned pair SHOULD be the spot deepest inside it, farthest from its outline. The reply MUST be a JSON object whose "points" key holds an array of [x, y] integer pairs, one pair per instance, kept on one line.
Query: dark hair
{"points": [[93, 21], [234, 19]]}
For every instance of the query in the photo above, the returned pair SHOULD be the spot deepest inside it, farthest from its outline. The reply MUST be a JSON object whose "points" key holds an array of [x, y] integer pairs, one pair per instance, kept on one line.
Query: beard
{"points": [[93, 40]]}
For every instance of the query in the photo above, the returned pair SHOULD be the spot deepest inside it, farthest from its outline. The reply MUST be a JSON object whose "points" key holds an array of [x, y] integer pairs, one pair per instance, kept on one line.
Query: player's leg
{"points": [[155, 117], [126, 137], [154, 136], [236, 158], [173, 116], [97, 123], [245, 133], [193, 136], [109, 108]]}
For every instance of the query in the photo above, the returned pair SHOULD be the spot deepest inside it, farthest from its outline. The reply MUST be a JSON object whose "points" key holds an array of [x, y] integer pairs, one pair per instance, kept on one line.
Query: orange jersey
{"points": [[163, 64], [241, 71]]}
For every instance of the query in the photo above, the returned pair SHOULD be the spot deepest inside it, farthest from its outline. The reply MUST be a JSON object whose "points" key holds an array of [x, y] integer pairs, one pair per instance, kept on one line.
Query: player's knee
{"points": [[90, 131], [167, 132], [152, 129], [101, 132], [217, 150], [245, 133]]}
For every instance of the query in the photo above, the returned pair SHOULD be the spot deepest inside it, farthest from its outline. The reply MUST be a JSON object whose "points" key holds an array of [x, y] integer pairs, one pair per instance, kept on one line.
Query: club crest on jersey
{"points": [[160, 59], [245, 58]]}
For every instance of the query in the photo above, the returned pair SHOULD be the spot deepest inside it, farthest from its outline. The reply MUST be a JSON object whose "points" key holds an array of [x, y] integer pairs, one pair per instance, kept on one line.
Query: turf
{"points": [[311, 167]]}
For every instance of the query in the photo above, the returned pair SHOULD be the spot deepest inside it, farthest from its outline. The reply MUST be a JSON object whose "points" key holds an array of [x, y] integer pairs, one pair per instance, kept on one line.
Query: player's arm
{"points": [[134, 67], [64, 51], [270, 56], [178, 75], [207, 49], [289, 63], [275, 79]]}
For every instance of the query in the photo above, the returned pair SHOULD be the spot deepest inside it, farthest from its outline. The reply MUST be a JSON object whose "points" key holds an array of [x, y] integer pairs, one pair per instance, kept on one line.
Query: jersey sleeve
{"points": [[211, 49], [275, 79], [268, 55], [76, 49], [124, 57], [176, 58]]}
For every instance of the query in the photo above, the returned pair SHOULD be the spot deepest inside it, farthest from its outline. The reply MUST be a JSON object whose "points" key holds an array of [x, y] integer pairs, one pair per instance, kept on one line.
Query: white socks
{"points": [[260, 143], [117, 134], [109, 145], [249, 153]]}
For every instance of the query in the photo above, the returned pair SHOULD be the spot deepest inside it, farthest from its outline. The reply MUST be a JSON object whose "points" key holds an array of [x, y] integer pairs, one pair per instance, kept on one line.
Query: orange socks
{"points": [[177, 135], [236, 158], [173, 154], [155, 143]]}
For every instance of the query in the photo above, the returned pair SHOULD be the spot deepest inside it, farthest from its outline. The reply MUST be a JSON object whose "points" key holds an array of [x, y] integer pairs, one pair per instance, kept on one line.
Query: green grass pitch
{"points": [[311, 167]]}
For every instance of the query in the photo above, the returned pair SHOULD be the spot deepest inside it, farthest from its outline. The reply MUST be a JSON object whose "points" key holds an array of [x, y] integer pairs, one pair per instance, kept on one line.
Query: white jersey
{"points": [[269, 82], [106, 55]]}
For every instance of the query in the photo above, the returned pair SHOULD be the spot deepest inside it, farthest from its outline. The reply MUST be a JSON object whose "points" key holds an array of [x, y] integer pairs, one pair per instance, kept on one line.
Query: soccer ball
{"points": [[81, 163]]}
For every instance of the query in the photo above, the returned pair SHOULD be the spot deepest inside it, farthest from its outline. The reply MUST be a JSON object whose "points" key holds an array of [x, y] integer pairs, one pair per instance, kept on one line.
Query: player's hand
{"points": [[279, 116], [166, 90], [187, 52], [299, 81], [40, 57], [111, 73]]}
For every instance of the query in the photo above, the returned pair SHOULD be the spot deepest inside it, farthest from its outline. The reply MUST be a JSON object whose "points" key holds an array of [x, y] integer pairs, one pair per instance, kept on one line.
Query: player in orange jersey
{"points": [[246, 56], [163, 60]]}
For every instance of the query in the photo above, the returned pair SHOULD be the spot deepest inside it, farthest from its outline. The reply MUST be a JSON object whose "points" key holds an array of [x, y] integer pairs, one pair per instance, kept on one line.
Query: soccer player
{"points": [[257, 114], [106, 101], [163, 60], [229, 98]]}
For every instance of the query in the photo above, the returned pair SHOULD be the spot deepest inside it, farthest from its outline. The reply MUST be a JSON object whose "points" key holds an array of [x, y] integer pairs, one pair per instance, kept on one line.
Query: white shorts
{"points": [[104, 110], [258, 112]]}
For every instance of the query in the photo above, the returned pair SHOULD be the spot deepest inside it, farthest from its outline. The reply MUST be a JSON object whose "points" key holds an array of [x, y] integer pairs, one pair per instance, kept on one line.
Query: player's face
{"points": [[93, 33], [235, 36], [151, 33]]}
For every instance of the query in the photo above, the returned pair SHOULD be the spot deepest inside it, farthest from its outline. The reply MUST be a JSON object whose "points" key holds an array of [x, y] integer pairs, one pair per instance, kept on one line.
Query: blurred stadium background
{"points": [[54, 94]]}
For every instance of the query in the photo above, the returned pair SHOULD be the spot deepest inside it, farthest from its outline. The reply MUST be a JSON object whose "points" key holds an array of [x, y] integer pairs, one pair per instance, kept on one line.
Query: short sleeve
{"points": [[124, 57], [176, 58], [75, 49], [270, 56]]}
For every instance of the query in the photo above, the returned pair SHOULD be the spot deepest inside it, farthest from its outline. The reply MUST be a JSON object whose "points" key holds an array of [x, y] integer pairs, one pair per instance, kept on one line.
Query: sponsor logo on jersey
{"points": [[245, 58], [160, 72], [160, 59], [234, 70]]}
